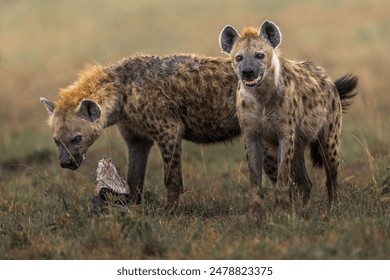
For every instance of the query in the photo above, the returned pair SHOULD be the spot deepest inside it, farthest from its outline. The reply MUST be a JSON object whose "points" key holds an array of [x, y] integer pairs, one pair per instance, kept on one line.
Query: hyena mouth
{"points": [[254, 82]]}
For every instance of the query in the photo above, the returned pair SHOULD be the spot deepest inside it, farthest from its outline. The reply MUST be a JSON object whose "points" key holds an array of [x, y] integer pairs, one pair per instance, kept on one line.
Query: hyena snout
{"points": [[248, 73], [251, 74], [70, 160]]}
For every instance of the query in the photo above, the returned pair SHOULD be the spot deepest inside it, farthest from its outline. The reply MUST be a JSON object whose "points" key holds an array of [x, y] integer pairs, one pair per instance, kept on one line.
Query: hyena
{"points": [[151, 99], [285, 106]]}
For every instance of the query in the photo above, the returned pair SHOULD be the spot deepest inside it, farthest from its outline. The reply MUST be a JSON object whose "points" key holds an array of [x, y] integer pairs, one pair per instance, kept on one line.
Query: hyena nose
{"points": [[248, 73], [69, 164]]}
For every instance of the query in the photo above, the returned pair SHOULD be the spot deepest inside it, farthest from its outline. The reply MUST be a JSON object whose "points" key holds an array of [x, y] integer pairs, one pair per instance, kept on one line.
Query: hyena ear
{"points": [[50, 105], [89, 110], [227, 38], [271, 32]]}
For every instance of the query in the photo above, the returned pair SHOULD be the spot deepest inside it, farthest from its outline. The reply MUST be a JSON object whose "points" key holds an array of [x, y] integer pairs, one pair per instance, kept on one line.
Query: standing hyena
{"points": [[284, 106], [151, 99]]}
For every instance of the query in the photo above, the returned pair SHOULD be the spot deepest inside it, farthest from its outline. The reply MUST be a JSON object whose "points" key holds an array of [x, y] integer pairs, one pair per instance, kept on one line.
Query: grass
{"points": [[45, 210]]}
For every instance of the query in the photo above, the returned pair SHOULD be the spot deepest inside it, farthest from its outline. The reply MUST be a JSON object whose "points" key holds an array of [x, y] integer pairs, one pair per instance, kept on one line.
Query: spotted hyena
{"points": [[151, 99], [285, 106]]}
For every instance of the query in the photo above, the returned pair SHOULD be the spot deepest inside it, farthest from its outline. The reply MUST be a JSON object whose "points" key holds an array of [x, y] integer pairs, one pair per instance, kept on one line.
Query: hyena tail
{"points": [[346, 87], [316, 153]]}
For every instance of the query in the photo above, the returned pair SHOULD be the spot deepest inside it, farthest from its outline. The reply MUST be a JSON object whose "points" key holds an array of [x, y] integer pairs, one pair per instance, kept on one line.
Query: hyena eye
{"points": [[76, 140], [239, 58], [259, 55]]}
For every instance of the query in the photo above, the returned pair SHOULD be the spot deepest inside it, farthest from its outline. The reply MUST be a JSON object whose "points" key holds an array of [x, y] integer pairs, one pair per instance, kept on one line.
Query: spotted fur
{"points": [[285, 106], [151, 99]]}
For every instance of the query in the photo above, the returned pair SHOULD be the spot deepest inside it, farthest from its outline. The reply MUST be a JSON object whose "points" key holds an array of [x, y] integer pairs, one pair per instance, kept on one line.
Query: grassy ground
{"points": [[45, 211]]}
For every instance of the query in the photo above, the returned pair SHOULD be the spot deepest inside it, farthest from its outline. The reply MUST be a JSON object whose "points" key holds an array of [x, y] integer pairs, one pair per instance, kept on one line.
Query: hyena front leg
{"points": [[138, 151], [254, 154], [169, 143], [284, 182]]}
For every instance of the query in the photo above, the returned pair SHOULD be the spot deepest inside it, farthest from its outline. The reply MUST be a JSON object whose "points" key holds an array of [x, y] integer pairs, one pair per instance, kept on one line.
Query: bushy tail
{"points": [[316, 153], [346, 87]]}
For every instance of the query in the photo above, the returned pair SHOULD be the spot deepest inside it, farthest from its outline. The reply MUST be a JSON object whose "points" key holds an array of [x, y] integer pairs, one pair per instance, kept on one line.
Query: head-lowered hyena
{"points": [[151, 99], [284, 106]]}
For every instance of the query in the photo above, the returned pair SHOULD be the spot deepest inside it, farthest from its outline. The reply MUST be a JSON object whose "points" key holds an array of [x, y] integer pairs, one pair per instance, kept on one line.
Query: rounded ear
{"points": [[50, 105], [89, 110], [271, 32], [227, 38]]}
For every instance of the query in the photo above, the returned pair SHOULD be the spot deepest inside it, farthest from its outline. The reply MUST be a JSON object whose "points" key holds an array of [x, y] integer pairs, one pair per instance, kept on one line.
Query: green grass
{"points": [[45, 210]]}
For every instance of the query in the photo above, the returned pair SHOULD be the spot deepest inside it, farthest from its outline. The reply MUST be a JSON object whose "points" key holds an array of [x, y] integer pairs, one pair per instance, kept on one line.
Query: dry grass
{"points": [[44, 210]]}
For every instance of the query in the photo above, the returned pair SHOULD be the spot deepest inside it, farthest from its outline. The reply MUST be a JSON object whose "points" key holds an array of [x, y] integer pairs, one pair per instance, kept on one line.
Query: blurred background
{"points": [[44, 44]]}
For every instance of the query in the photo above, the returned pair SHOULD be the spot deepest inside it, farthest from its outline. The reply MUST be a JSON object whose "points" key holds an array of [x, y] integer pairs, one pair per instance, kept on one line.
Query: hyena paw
{"points": [[172, 203], [257, 208]]}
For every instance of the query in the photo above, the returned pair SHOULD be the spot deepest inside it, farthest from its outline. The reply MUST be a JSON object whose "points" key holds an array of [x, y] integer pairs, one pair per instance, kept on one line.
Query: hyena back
{"points": [[283, 107], [151, 99]]}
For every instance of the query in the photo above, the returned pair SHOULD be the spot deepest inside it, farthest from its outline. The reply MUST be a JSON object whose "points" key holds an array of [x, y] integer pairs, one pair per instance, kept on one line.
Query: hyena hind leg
{"points": [[332, 157], [270, 163], [301, 177], [169, 143], [325, 153]]}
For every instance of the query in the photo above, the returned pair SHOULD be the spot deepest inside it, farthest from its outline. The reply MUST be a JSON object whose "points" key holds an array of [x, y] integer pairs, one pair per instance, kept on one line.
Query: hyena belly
{"points": [[207, 122]]}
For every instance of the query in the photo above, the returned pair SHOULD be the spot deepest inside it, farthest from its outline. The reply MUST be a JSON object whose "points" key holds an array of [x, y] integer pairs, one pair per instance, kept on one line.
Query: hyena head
{"points": [[253, 53], [75, 129]]}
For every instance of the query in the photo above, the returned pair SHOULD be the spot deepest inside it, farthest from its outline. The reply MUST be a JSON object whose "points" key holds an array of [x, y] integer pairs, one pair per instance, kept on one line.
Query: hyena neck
{"points": [[276, 68], [112, 108], [96, 84]]}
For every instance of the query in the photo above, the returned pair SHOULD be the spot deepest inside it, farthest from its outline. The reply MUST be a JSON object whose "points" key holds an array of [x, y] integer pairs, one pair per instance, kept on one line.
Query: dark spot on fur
{"points": [[268, 166], [333, 104]]}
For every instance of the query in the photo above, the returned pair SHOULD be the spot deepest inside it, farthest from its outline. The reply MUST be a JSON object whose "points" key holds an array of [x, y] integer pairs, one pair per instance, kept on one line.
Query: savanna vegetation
{"points": [[45, 211]]}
